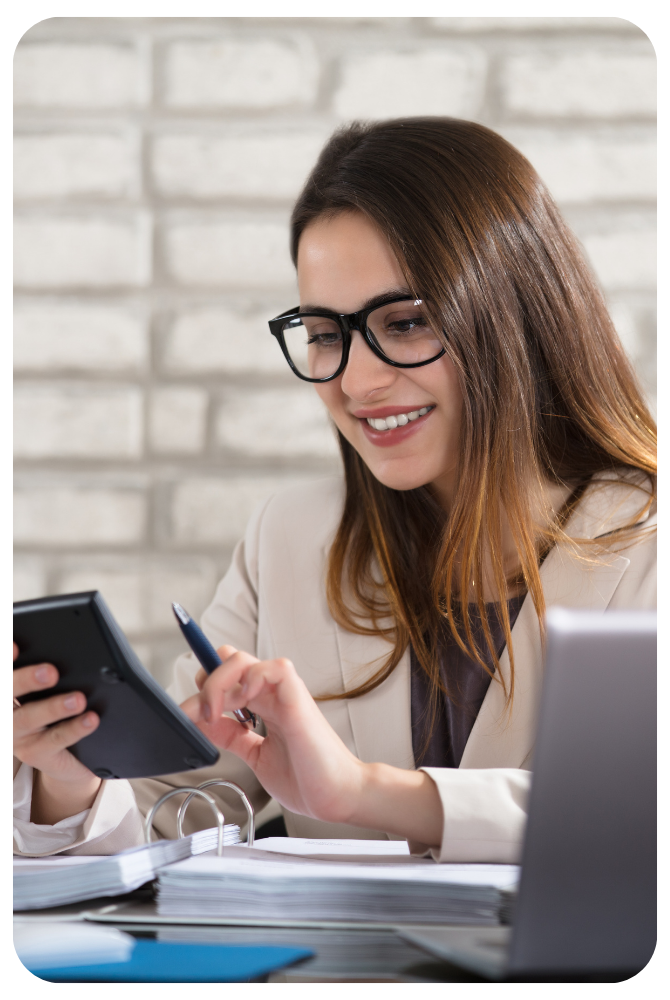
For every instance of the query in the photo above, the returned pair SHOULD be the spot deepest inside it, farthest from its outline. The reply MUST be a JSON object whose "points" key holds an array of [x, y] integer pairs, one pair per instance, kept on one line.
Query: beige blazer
{"points": [[272, 603]]}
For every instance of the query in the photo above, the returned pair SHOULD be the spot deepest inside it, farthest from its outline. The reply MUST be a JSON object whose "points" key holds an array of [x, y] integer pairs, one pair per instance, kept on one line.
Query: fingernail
{"points": [[207, 712], [87, 721], [71, 701], [42, 675]]}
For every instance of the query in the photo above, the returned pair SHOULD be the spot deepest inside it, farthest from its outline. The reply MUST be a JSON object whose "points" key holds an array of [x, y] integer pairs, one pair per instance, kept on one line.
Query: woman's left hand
{"points": [[301, 761]]}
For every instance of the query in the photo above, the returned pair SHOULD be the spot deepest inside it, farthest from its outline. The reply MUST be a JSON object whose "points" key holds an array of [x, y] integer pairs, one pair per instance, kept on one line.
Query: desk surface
{"points": [[341, 954]]}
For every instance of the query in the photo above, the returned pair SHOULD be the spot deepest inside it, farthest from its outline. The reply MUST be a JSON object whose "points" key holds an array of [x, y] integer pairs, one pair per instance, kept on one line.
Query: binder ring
{"points": [[251, 828], [192, 791]]}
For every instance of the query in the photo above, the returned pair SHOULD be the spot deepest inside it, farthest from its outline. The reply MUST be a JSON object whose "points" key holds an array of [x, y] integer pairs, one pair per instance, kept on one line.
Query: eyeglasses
{"points": [[316, 344]]}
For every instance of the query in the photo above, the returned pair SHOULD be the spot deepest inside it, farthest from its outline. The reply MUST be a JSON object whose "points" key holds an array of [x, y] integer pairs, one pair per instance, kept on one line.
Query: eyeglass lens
{"points": [[400, 330]]}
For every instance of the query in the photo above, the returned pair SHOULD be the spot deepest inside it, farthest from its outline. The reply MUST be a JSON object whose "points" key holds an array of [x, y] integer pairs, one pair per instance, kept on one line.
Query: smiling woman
{"points": [[498, 458]]}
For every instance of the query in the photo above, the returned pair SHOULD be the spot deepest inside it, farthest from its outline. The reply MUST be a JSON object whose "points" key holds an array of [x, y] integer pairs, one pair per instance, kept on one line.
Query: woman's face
{"points": [[343, 263]]}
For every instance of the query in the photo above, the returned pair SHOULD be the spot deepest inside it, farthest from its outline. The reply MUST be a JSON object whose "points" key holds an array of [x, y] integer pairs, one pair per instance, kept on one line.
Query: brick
{"points": [[277, 422], [221, 340], [177, 417], [346, 20], [70, 252], [236, 73], [583, 168], [30, 579], [78, 75], [208, 511], [430, 82], [623, 260], [229, 253], [50, 515], [140, 591], [59, 337], [56, 165], [625, 321], [514, 24], [598, 83], [273, 165], [67, 421]]}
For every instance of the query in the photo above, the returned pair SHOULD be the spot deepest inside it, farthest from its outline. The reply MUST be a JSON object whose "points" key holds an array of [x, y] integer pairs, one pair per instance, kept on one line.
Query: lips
{"points": [[393, 435]]}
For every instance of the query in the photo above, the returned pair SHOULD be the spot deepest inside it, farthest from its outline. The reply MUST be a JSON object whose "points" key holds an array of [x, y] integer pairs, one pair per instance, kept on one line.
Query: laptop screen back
{"points": [[587, 898]]}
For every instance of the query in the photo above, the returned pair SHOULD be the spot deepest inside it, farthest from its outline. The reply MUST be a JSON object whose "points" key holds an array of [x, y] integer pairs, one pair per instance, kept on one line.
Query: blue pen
{"points": [[207, 656]]}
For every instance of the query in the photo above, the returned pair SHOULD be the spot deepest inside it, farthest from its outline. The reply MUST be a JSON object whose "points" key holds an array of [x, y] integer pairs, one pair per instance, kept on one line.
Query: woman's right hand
{"points": [[63, 786]]}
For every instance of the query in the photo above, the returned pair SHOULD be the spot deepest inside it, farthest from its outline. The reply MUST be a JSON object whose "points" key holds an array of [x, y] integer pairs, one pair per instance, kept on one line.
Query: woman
{"points": [[498, 457]]}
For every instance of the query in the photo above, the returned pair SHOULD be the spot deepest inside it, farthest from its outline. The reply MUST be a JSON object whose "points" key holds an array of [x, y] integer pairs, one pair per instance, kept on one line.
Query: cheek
{"points": [[332, 397]]}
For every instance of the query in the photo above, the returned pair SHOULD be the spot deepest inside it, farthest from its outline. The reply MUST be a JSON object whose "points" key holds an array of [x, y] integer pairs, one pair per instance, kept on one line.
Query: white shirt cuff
{"points": [[40, 838]]}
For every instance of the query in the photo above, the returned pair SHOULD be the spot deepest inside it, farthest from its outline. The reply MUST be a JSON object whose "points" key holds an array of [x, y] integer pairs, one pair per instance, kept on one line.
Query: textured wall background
{"points": [[156, 163]]}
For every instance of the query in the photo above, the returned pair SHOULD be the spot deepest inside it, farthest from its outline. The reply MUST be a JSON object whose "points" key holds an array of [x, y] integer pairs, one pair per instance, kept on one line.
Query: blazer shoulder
{"points": [[307, 512]]}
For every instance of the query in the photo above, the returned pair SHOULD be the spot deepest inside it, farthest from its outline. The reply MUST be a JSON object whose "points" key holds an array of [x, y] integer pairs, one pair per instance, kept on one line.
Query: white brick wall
{"points": [[607, 84], [265, 166], [513, 25], [82, 251], [63, 165], [241, 73], [156, 163], [48, 515], [221, 340], [177, 418], [57, 337], [209, 510], [229, 253], [80, 75], [68, 421], [428, 82], [291, 421]]}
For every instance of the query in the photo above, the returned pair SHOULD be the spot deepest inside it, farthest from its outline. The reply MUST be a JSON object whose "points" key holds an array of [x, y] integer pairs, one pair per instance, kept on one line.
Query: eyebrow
{"points": [[376, 300]]}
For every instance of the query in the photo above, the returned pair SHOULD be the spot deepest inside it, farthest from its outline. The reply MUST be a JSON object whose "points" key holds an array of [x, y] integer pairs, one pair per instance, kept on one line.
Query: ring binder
{"points": [[251, 828], [192, 791]]}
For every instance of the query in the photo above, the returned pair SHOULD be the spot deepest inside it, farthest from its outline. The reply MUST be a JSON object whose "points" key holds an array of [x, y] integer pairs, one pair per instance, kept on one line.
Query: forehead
{"points": [[344, 261]]}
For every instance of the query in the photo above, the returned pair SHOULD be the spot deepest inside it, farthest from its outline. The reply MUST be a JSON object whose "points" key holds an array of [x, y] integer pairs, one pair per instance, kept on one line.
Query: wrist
{"points": [[402, 802], [55, 799]]}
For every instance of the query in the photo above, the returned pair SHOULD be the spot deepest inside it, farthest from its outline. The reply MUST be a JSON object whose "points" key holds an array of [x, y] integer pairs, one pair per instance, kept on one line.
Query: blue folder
{"points": [[165, 962]]}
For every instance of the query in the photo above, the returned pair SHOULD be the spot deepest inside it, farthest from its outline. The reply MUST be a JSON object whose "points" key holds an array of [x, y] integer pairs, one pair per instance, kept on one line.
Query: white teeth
{"points": [[397, 420]]}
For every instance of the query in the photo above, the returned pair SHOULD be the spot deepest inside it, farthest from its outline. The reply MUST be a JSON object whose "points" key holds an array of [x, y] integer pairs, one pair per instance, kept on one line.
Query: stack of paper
{"points": [[56, 880], [350, 881]]}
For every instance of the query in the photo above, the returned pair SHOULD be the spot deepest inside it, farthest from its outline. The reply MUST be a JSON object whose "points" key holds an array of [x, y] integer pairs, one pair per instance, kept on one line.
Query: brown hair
{"points": [[548, 392]]}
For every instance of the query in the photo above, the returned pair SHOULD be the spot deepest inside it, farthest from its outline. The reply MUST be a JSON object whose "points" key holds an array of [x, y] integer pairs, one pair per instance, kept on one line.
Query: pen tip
{"points": [[180, 614]]}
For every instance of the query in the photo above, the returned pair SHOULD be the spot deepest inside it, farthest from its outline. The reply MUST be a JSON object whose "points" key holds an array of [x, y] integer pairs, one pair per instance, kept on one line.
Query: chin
{"points": [[401, 480]]}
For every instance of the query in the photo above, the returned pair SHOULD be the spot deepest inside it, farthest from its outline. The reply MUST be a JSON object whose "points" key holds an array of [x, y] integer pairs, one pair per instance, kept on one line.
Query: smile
{"points": [[397, 420]]}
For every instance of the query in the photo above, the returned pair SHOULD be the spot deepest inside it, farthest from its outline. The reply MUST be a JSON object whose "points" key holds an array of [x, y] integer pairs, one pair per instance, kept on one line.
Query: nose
{"points": [[365, 374]]}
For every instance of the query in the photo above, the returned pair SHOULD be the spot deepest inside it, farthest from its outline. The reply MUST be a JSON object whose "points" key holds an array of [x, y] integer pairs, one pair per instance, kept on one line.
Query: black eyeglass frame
{"points": [[347, 323]]}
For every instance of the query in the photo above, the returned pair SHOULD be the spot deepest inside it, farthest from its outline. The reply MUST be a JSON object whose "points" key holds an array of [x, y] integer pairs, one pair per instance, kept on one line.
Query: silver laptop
{"points": [[586, 907]]}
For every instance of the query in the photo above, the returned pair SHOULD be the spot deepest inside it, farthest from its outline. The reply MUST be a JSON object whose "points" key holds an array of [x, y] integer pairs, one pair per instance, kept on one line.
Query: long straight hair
{"points": [[548, 392]]}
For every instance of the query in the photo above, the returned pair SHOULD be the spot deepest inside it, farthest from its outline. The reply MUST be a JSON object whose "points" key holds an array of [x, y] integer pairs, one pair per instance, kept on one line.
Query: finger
{"points": [[58, 738], [37, 715], [35, 678], [280, 673], [224, 678], [230, 735], [225, 652], [15, 652]]}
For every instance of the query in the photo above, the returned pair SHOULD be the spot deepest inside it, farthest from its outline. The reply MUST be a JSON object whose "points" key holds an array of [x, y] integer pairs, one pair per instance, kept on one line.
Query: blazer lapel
{"points": [[380, 720], [503, 737]]}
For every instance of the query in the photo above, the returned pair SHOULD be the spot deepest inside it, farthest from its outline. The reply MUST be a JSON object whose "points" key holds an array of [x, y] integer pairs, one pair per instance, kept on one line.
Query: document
{"points": [[57, 880], [373, 881]]}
